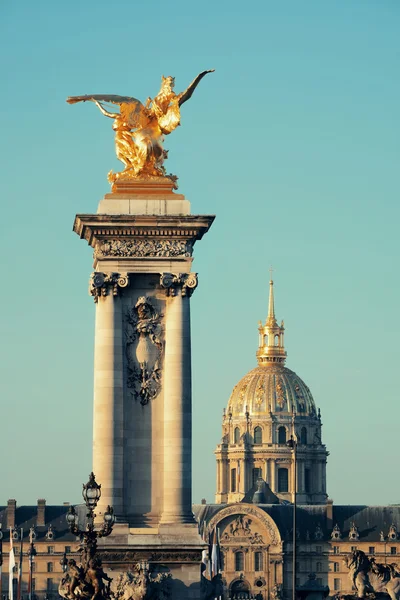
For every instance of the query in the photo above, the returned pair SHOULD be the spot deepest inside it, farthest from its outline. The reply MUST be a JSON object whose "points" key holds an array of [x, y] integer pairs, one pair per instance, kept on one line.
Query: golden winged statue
{"points": [[140, 129]]}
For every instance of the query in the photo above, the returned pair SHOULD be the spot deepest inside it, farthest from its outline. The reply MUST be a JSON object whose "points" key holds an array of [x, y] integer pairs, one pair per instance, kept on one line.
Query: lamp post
{"points": [[292, 443], [31, 557], [91, 494]]}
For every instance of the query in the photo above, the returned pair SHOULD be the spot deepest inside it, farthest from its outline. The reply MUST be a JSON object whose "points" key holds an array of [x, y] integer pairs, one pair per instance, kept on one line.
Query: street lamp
{"points": [[91, 494], [292, 443], [64, 563], [31, 557]]}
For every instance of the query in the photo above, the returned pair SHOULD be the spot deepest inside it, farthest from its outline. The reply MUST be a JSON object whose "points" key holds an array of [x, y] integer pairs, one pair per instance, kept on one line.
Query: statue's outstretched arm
{"points": [[104, 111], [189, 91]]}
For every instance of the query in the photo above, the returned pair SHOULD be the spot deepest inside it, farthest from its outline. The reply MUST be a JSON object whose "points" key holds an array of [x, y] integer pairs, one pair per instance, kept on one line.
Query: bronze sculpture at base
{"points": [[140, 128], [81, 582], [87, 579]]}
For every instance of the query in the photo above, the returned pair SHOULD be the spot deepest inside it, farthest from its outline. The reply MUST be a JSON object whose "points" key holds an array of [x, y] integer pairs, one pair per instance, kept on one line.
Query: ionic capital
{"points": [[101, 284], [183, 283]]}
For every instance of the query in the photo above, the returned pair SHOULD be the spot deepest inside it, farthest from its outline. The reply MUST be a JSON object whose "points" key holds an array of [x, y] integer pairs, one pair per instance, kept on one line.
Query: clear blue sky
{"points": [[293, 143]]}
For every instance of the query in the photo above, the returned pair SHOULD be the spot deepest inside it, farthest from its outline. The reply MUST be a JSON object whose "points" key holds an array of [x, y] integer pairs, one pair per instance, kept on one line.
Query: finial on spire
{"points": [[271, 305]]}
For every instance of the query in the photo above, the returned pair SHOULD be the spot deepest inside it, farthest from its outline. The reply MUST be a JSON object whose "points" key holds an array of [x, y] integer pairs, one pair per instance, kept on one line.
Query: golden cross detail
{"points": [[271, 270]]}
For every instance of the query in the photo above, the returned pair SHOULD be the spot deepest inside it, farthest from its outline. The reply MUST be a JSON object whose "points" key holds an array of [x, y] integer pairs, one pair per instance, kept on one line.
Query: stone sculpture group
{"points": [[136, 584], [369, 577]]}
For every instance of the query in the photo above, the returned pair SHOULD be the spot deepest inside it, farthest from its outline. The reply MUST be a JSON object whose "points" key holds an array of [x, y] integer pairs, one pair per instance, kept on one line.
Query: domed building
{"points": [[270, 426], [269, 408]]}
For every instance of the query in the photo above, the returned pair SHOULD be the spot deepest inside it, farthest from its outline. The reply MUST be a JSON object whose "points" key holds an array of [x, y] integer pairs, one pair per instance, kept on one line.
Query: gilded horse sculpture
{"points": [[140, 129]]}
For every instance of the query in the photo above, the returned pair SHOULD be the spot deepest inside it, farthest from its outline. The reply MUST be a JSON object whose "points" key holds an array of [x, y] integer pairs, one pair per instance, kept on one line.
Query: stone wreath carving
{"points": [[142, 247], [144, 350]]}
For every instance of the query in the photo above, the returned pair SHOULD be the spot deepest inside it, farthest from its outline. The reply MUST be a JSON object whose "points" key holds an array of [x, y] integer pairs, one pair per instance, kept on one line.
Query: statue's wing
{"points": [[131, 109], [104, 98], [189, 91]]}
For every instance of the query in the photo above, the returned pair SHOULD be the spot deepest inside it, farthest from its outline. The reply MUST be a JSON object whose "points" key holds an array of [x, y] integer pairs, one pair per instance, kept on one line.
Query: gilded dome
{"points": [[271, 389]]}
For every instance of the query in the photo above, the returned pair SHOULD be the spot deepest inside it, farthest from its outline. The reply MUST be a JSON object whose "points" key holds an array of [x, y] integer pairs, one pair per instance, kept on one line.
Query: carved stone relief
{"points": [[140, 248], [141, 583], [240, 526], [246, 511], [144, 350], [101, 284]]}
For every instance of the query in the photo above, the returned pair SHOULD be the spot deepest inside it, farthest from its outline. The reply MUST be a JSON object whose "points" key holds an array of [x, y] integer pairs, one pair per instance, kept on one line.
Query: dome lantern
{"points": [[271, 348]]}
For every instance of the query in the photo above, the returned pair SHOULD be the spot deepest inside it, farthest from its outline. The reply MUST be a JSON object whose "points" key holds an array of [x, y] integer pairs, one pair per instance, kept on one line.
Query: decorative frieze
{"points": [[101, 284], [150, 555], [144, 350], [142, 248], [183, 283]]}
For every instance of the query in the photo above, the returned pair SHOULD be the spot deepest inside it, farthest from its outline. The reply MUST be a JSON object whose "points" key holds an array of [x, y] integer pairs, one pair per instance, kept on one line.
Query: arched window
{"points": [[318, 567], [237, 435], [233, 480], [303, 436], [257, 435], [282, 435], [283, 480], [239, 561], [277, 340], [258, 561]]}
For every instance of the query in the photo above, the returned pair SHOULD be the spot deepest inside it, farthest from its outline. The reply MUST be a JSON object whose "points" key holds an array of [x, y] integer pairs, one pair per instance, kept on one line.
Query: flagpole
{"points": [[21, 554], [11, 565], [31, 554], [1, 564]]}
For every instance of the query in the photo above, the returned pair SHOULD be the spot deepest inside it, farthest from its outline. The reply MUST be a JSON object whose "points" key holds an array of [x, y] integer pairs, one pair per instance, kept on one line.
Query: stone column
{"points": [[219, 465], [224, 476], [108, 390], [178, 399], [273, 476]]}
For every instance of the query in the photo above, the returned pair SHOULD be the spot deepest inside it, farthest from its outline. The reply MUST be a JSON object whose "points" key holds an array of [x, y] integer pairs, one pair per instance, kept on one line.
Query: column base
{"points": [[175, 550], [177, 519]]}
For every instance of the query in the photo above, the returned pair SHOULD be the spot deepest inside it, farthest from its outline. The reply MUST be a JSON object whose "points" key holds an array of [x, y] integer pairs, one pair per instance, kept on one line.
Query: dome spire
{"points": [[271, 320], [271, 347]]}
